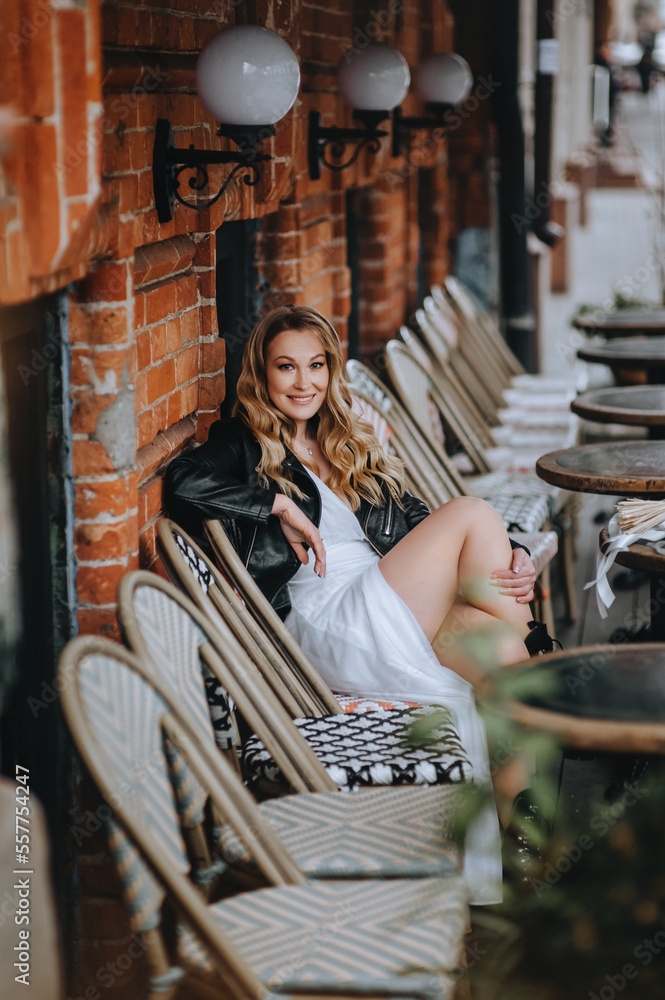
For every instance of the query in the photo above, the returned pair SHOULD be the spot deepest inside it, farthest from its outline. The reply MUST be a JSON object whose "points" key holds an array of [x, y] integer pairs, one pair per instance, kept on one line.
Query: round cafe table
{"points": [[601, 698], [622, 322], [637, 405], [629, 354], [622, 468]]}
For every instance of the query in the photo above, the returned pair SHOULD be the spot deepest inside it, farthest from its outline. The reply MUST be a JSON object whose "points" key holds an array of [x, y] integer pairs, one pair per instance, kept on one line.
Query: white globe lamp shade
{"points": [[375, 78], [247, 75], [444, 78]]}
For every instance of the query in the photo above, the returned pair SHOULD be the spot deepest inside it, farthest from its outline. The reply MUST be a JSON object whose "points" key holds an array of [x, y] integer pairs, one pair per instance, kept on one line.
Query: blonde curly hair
{"points": [[359, 464]]}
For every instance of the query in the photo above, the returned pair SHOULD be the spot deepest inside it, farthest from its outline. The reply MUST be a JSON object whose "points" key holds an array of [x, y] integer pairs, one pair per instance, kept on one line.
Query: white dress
{"points": [[364, 640]]}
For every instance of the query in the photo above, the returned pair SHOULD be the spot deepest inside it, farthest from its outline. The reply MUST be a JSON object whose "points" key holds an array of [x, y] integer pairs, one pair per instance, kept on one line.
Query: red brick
{"points": [[90, 459], [153, 495], [161, 380], [187, 365], [160, 416], [36, 95], [203, 424], [209, 327], [142, 349], [190, 399], [211, 391], [190, 325], [86, 411], [71, 36], [106, 283], [98, 584], [213, 355], [160, 303], [42, 222], [101, 541], [100, 497], [147, 547], [96, 621], [174, 407], [128, 187], [141, 394], [187, 294], [127, 25], [116, 153], [173, 336], [144, 432], [98, 326], [158, 343]]}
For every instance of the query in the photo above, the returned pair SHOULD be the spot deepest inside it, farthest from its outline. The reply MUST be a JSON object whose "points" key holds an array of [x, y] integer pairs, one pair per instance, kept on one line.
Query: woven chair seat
{"points": [[352, 703], [520, 512], [494, 484], [537, 437], [361, 749], [542, 545], [383, 832], [324, 938]]}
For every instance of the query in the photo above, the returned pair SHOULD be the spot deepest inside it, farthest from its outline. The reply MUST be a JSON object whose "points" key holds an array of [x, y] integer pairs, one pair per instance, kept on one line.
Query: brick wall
{"points": [[51, 144]]}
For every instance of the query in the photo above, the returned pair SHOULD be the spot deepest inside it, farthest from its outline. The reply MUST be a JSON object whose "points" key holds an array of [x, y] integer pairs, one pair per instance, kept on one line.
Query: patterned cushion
{"points": [[520, 512], [363, 749], [378, 833], [352, 703], [399, 937]]}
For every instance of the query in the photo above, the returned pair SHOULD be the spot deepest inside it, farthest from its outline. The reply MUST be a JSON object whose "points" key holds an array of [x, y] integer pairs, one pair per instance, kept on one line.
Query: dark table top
{"points": [[643, 405], [621, 468], [622, 321], [608, 698], [626, 352]]}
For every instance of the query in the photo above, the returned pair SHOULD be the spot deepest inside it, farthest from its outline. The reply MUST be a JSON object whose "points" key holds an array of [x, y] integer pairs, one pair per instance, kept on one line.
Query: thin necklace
{"points": [[309, 450]]}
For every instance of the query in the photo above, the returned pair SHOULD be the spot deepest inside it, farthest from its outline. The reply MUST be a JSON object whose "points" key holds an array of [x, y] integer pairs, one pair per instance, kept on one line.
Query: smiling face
{"points": [[297, 374]]}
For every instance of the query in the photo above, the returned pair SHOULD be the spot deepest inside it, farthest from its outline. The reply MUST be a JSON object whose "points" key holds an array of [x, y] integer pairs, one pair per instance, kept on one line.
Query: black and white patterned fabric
{"points": [[196, 565], [361, 749], [520, 512]]}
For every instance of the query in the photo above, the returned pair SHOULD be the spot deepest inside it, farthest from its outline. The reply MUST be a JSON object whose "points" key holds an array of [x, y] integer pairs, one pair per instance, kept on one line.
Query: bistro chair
{"points": [[518, 508], [318, 853], [486, 342], [527, 403], [398, 937], [319, 753], [413, 382]]}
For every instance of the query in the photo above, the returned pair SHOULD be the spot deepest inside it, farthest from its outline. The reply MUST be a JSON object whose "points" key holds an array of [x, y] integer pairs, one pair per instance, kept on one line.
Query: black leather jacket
{"points": [[219, 481]]}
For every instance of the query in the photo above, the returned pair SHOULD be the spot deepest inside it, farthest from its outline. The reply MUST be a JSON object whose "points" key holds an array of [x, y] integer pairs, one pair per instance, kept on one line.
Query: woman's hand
{"points": [[299, 531], [517, 581]]}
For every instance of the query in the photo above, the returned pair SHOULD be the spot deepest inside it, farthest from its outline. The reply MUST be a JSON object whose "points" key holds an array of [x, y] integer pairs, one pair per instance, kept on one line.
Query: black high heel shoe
{"points": [[538, 641]]}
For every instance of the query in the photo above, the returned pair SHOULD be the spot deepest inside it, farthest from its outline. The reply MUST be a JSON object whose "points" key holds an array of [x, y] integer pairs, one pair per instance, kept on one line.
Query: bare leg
{"points": [[451, 555]]}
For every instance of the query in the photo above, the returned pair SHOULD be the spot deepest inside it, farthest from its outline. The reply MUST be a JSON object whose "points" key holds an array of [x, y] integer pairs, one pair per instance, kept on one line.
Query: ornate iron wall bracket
{"points": [[168, 163], [337, 140]]}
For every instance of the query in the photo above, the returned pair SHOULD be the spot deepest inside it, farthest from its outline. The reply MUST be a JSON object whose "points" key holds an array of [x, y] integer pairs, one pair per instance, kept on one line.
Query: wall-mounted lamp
{"points": [[372, 80], [248, 78], [443, 81]]}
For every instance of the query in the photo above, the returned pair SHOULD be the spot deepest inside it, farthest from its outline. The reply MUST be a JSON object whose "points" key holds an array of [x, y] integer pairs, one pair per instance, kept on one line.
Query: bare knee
{"points": [[470, 511]]}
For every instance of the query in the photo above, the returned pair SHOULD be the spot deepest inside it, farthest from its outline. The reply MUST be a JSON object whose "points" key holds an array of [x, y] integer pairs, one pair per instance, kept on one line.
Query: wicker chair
{"points": [[437, 481], [319, 753], [393, 937], [429, 407]]}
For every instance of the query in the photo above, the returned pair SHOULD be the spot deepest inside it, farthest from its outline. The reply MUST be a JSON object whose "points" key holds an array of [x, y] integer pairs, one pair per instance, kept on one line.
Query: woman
{"points": [[388, 591]]}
